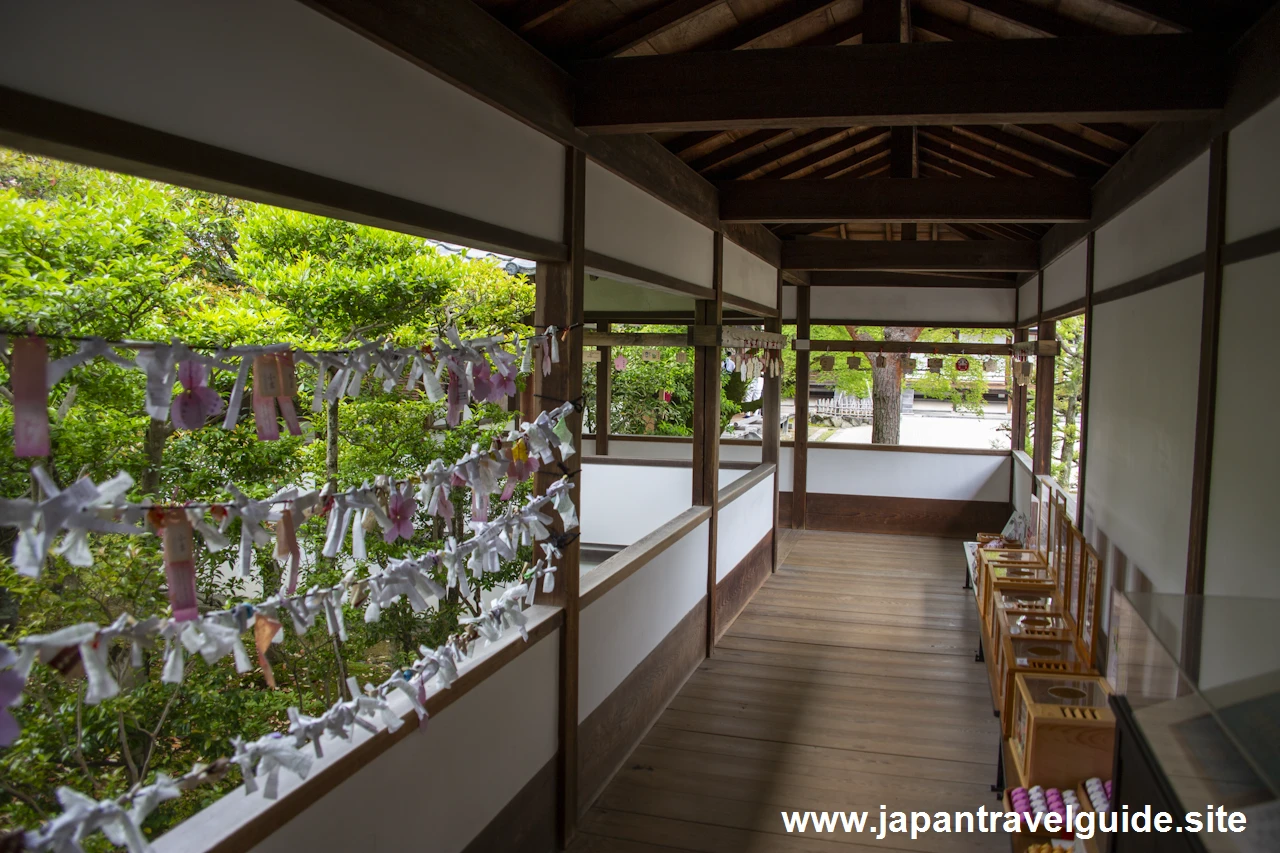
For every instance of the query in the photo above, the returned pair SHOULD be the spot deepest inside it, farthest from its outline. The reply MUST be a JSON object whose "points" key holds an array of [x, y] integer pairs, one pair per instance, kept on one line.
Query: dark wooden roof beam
{"points": [[863, 163], [1034, 18], [646, 26], [977, 148], [944, 27], [906, 200], [1050, 157], [1074, 143], [908, 256], [739, 146], [930, 149], [534, 13], [827, 152], [839, 34], [993, 82], [762, 25], [1196, 15], [778, 152], [1121, 133], [907, 279], [685, 141]]}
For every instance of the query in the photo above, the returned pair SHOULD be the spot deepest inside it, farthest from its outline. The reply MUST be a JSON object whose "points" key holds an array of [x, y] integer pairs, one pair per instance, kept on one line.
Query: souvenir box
{"points": [[1062, 728]]}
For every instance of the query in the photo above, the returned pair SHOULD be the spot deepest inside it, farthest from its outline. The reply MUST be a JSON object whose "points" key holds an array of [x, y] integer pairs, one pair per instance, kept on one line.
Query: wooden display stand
{"points": [[1000, 577], [1033, 655], [1062, 728]]}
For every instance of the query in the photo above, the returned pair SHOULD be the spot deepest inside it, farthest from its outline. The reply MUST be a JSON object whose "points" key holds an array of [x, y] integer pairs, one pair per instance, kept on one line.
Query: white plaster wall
{"points": [[622, 503], [1253, 174], [1142, 399], [1023, 482], [941, 305], [786, 468], [903, 474], [747, 276], [621, 627], [1166, 226], [276, 80], [453, 777], [602, 293], [1242, 557], [622, 448], [1028, 300], [742, 524], [1064, 279], [788, 303], [627, 223]]}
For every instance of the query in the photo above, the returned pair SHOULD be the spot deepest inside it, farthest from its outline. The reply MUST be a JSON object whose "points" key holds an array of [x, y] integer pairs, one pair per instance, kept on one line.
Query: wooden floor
{"points": [[848, 682]]}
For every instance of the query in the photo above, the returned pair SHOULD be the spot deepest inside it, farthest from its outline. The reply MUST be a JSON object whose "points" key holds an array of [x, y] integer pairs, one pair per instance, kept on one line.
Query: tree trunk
{"points": [[886, 401], [331, 442], [158, 433]]}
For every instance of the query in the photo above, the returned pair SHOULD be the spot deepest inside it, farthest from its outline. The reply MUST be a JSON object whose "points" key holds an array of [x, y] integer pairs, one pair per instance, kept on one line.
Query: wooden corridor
{"points": [[848, 682]]}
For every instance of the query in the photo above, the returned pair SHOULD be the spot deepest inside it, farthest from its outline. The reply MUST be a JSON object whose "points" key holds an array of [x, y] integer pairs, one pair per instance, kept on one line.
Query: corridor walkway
{"points": [[848, 682]]}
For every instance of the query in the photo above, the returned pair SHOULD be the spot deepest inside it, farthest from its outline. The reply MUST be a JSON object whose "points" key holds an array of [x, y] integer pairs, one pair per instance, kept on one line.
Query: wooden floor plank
{"points": [[847, 683]]}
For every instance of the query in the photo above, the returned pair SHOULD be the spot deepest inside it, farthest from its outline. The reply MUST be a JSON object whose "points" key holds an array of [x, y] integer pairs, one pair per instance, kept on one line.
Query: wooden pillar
{"points": [[559, 303], [771, 416], [1018, 401], [706, 425], [1042, 451], [800, 456], [1084, 393], [604, 394], [1202, 470]]}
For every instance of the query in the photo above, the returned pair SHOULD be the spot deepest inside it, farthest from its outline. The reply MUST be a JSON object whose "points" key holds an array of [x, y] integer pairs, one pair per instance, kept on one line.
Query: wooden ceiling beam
{"points": [[907, 256], [906, 200], [733, 149], [906, 279], [985, 151], [802, 141], [655, 23], [1034, 18], [970, 232], [534, 13], [1196, 15], [1051, 157], [829, 151], [839, 34], [863, 163], [685, 141], [1119, 132], [944, 27], [960, 158], [994, 82], [1074, 143], [762, 25]]}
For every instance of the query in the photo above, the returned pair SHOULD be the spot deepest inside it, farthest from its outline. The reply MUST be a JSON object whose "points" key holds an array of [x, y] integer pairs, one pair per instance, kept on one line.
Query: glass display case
{"points": [[1197, 681]]}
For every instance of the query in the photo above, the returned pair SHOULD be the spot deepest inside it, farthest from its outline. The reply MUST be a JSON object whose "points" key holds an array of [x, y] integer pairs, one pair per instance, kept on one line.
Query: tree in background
{"points": [[87, 252]]}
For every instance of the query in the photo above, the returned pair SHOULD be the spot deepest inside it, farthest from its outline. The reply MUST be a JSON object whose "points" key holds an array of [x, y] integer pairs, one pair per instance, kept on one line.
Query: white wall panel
{"points": [[786, 468], [453, 777], [276, 80], [1028, 300], [903, 474], [788, 303], [622, 503], [1023, 483], [941, 305], [1253, 174], [619, 629], [625, 222], [1166, 226], [602, 293], [1064, 279], [742, 524], [1246, 468], [747, 276], [1142, 420]]}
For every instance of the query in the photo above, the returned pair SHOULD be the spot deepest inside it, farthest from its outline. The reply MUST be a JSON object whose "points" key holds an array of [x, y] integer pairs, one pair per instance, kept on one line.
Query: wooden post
{"points": [[560, 303], [1042, 451], [771, 415], [1088, 361], [800, 456], [1018, 401], [604, 394], [706, 426], [1202, 469]]}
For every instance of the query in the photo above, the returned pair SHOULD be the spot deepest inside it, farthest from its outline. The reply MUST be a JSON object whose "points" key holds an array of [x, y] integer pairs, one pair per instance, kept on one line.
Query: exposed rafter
{"points": [[733, 149], [1067, 164], [865, 162], [1074, 143], [1034, 18], [978, 148], [923, 256], [839, 34], [932, 148], [829, 151], [906, 200], [655, 23], [802, 141], [762, 25], [943, 27], [994, 82], [685, 141], [534, 13], [1196, 15]]}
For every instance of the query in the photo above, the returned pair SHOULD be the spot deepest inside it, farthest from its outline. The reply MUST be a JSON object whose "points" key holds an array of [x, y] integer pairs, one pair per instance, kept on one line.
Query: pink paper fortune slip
{"points": [[179, 564]]}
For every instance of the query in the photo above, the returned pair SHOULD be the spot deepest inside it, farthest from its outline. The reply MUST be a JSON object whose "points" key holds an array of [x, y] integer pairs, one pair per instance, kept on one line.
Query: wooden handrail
{"points": [[742, 485], [650, 462], [637, 555]]}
